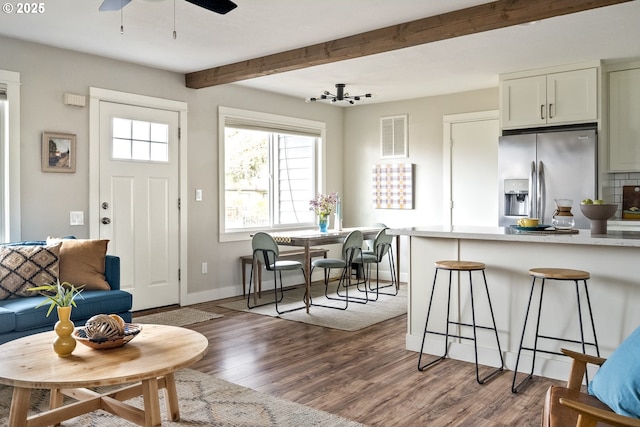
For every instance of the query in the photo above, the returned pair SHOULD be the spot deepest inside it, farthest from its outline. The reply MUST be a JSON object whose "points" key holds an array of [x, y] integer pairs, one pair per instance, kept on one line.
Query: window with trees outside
{"points": [[271, 170]]}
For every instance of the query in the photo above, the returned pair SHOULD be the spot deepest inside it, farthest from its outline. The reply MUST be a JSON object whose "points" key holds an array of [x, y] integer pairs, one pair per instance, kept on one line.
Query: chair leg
{"points": [[327, 272], [593, 325], [495, 330], [282, 294], [426, 324], [515, 388]]}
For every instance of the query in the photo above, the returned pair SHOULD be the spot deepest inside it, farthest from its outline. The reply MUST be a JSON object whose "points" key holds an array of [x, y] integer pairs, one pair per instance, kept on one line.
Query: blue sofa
{"points": [[19, 317]]}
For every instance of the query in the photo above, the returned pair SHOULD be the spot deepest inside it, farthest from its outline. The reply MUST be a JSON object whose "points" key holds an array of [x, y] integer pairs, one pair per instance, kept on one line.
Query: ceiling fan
{"points": [[217, 6]]}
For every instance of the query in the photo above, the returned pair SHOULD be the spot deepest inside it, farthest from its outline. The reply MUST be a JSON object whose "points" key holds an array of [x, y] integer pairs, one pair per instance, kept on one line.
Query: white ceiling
{"points": [[260, 27]]}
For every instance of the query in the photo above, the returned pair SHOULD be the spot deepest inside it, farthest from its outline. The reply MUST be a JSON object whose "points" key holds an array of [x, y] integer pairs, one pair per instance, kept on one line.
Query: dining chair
{"points": [[381, 249], [265, 253], [351, 250]]}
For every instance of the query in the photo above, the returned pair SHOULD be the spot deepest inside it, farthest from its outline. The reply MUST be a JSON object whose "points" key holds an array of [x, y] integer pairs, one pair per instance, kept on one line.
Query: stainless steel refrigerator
{"points": [[537, 168]]}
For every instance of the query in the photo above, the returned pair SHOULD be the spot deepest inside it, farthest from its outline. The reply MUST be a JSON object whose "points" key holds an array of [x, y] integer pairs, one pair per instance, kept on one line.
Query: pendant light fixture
{"points": [[339, 96]]}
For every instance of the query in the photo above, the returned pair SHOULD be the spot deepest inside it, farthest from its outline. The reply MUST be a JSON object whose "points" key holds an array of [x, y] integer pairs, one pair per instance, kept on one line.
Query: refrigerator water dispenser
{"points": [[516, 197]]}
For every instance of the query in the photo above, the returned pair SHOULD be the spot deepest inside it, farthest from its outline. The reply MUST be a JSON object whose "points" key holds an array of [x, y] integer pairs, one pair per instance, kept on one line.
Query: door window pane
{"points": [[140, 140]]}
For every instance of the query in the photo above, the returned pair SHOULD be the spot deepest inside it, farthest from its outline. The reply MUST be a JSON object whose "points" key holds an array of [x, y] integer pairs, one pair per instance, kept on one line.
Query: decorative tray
{"points": [[534, 228], [130, 332], [544, 229]]}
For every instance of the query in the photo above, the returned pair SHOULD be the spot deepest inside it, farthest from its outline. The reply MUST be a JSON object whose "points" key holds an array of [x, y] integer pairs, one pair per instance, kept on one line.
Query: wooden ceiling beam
{"points": [[476, 19]]}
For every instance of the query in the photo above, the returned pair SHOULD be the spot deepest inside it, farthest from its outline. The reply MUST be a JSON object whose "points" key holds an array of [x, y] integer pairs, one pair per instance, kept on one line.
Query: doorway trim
{"points": [[95, 96], [447, 123]]}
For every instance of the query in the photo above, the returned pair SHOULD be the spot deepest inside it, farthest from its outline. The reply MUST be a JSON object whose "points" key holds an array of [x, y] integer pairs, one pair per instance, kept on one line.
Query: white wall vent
{"points": [[393, 136]]}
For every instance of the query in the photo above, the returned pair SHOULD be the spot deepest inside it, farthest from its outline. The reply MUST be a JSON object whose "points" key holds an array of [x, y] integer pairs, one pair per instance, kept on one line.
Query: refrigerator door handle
{"points": [[532, 183], [542, 192]]}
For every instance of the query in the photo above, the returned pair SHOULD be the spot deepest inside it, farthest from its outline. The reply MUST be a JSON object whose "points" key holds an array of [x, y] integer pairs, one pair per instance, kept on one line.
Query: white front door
{"points": [[139, 197]]}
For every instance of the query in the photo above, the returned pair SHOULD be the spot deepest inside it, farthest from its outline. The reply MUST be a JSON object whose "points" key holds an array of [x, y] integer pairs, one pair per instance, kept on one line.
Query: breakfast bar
{"points": [[612, 260]]}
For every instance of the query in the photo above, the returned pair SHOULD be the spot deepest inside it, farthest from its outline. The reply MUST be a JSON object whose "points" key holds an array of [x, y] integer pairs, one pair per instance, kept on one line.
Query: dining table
{"points": [[311, 237]]}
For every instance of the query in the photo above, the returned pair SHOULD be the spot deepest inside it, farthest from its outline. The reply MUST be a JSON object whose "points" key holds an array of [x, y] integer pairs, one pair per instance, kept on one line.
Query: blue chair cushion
{"points": [[617, 382]]}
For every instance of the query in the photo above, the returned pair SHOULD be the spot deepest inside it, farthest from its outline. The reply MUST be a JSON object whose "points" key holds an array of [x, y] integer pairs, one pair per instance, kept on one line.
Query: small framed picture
{"points": [[58, 152]]}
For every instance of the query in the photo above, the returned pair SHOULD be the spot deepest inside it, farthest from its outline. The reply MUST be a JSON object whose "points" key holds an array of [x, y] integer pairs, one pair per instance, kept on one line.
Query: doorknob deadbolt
{"points": [[105, 205], [106, 221]]}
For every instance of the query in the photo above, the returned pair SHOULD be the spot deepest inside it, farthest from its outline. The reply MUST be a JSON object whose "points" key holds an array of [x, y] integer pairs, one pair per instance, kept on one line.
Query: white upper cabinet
{"points": [[549, 99], [624, 120]]}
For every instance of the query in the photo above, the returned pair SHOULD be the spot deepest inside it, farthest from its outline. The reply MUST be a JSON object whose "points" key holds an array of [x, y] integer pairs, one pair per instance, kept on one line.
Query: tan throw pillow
{"points": [[82, 263], [27, 266]]}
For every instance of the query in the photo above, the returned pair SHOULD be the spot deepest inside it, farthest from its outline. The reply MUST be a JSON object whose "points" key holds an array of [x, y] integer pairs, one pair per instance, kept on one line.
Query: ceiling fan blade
{"points": [[111, 5], [218, 6]]}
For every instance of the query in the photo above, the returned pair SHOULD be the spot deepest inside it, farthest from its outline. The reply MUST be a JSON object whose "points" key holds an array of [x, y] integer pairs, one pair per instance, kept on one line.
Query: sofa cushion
{"points": [[82, 262], [617, 382], [7, 320], [89, 303], [24, 267]]}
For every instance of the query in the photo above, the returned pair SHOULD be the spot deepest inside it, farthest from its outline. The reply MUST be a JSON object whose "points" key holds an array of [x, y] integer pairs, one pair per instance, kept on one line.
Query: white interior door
{"points": [[139, 196], [471, 169]]}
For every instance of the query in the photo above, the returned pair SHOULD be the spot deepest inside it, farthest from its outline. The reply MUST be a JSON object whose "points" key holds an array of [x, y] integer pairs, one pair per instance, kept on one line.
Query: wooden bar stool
{"points": [[558, 274], [459, 266]]}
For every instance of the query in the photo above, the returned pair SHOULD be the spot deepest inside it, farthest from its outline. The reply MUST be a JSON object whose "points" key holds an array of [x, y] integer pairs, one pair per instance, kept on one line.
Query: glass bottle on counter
{"points": [[562, 216]]}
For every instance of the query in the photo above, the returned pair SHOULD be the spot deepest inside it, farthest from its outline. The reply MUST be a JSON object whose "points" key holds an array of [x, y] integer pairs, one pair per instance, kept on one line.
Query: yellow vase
{"points": [[64, 344]]}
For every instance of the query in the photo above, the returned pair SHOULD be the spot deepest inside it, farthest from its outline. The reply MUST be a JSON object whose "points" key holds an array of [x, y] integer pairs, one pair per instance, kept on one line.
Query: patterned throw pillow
{"points": [[23, 267]]}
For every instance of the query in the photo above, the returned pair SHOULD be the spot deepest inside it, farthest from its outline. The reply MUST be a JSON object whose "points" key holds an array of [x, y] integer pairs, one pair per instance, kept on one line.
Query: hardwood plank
{"points": [[365, 375], [476, 19]]}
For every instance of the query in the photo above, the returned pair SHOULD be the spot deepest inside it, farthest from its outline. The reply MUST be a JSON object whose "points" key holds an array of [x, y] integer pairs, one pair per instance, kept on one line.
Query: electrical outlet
{"points": [[204, 268]]}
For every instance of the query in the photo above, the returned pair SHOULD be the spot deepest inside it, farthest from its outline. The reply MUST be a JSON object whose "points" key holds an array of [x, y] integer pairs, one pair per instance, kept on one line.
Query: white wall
{"points": [[362, 151], [47, 73], [352, 148]]}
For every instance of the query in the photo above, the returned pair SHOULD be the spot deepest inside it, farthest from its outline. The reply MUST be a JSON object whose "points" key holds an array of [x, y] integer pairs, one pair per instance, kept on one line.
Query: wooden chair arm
{"points": [[579, 367], [587, 358], [590, 416]]}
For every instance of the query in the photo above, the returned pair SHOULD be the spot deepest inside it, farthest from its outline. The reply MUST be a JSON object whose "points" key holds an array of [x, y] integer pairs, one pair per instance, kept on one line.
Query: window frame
{"points": [[275, 122], [10, 223]]}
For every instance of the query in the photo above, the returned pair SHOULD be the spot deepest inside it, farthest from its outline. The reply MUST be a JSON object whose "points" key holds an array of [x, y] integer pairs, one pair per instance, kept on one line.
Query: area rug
{"points": [[356, 316], [181, 317], [204, 401]]}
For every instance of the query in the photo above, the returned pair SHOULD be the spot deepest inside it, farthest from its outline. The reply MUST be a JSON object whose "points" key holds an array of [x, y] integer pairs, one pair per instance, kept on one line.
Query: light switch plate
{"points": [[198, 195], [76, 218]]}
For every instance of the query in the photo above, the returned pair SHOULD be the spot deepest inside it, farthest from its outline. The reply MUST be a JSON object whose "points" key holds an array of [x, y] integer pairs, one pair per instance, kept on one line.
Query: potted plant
{"points": [[62, 296]]}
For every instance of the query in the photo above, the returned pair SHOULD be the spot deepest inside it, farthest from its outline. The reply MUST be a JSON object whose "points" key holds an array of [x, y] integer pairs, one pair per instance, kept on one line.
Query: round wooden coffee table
{"points": [[149, 361]]}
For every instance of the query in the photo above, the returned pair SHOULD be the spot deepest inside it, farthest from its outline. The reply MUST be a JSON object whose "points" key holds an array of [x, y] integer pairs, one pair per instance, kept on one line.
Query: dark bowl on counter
{"points": [[599, 214]]}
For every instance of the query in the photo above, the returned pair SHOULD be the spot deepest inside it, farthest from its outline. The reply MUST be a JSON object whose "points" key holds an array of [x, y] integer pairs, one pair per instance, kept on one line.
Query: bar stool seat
{"points": [[556, 274], [459, 266], [559, 274]]}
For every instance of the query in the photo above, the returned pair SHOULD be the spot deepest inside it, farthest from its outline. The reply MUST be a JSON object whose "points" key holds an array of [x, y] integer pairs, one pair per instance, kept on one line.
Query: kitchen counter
{"points": [[614, 288], [583, 237]]}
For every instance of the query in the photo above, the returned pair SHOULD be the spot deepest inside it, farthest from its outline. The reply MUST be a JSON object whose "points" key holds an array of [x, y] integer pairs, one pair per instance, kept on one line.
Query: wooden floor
{"points": [[366, 375]]}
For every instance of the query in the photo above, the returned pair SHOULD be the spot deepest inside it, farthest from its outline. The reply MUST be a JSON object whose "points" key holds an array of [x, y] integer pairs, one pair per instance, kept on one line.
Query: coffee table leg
{"points": [[173, 411], [151, 402], [19, 406]]}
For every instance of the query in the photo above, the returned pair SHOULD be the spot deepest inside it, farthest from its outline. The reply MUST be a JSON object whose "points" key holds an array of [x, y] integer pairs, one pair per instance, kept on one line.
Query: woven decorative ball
{"points": [[104, 326]]}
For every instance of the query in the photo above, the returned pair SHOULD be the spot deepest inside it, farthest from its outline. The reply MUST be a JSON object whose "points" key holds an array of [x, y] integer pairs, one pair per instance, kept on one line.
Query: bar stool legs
{"points": [[470, 267], [561, 275]]}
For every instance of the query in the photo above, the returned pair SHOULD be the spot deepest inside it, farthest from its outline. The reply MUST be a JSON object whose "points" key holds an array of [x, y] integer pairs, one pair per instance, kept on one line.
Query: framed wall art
{"points": [[58, 152], [393, 186]]}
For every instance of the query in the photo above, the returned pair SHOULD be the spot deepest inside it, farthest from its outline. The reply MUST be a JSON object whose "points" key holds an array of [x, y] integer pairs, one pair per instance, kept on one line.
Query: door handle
{"points": [[105, 205], [106, 220]]}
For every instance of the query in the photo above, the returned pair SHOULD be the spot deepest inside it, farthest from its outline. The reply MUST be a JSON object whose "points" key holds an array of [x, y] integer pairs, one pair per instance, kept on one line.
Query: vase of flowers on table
{"points": [[322, 205]]}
